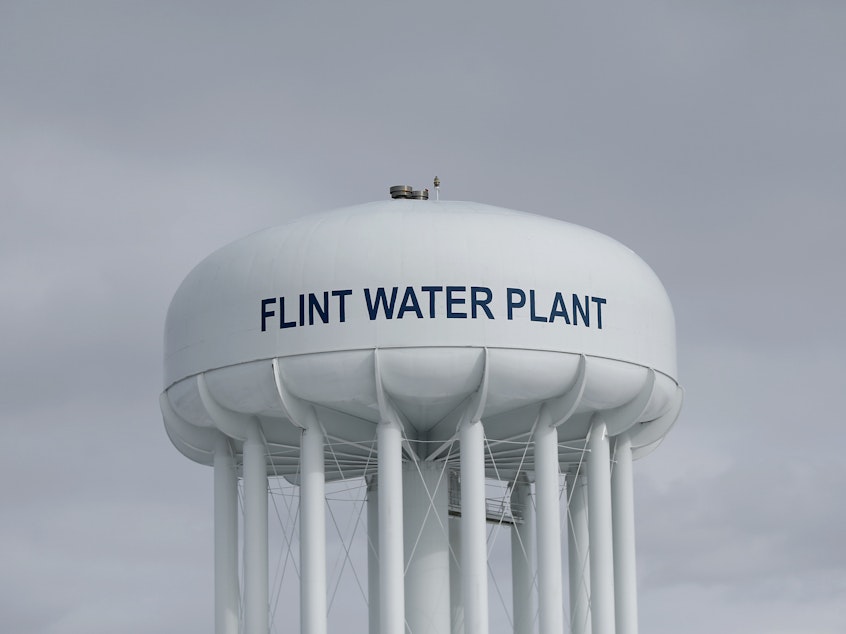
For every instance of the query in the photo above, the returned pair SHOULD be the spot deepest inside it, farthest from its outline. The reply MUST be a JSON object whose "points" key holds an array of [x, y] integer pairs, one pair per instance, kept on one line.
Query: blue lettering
{"points": [[317, 307], [432, 290], [558, 309], [409, 302], [476, 303], [282, 322], [512, 304], [451, 301], [532, 314], [341, 295], [266, 313], [578, 309], [599, 301], [322, 309], [381, 298]]}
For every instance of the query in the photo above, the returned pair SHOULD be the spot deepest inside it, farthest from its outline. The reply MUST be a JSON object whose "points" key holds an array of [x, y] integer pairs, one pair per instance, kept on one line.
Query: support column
{"points": [[456, 601], [599, 528], [312, 533], [391, 569], [550, 590], [474, 554], [522, 556], [622, 503], [425, 521], [579, 555], [255, 534], [373, 554], [226, 595]]}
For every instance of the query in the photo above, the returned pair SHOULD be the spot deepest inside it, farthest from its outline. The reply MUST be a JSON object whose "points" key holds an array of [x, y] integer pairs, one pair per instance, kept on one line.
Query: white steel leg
{"points": [[391, 569], [312, 533], [474, 556], [622, 502], [456, 602], [255, 534], [373, 554], [550, 590], [599, 519], [226, 595]]}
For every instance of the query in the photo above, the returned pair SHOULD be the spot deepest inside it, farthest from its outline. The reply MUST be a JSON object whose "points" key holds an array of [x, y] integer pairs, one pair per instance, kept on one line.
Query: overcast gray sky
{"points": [[136, 137]]}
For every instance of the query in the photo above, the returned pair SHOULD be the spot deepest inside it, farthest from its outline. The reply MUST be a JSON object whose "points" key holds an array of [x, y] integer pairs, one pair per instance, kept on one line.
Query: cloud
{"points": [[138, 139]]}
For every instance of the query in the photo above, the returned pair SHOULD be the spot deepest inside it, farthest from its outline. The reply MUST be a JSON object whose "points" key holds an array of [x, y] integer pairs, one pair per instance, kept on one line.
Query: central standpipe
{"points": [[578, 558], [427, 584], [522, 556]]}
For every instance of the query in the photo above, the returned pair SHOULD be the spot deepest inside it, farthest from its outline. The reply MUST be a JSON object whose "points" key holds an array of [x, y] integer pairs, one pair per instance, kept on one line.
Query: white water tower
{"points": [[429, 347]]}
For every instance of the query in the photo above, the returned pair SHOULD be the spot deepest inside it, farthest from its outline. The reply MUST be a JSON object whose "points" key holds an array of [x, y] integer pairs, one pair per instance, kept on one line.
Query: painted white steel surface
{"points": [[456, 318], [599, 528], [391, 568], [622, 513], [523, 558], [373, 555], [456, 599], [226, 593], [425, 524], [313, 534], [550, 588], [255, 535], [474, 545], [415, 321], [428, 389], [215, 319]]}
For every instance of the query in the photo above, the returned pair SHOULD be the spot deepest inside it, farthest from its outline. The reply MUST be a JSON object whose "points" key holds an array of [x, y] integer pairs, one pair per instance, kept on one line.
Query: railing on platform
{"points": [[498, 510]]}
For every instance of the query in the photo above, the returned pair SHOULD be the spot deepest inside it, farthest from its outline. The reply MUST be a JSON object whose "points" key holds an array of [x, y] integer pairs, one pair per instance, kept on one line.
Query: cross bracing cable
{"points": [[286, 556], [344, 544]]}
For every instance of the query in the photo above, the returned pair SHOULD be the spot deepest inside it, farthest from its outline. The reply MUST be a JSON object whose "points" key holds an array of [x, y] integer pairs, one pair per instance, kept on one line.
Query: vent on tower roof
{"points": [[401, 191], [405, 191]]}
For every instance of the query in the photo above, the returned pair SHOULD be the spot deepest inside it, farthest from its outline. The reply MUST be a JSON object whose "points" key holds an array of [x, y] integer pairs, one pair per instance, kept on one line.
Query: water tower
{"points": [[430, 347]]}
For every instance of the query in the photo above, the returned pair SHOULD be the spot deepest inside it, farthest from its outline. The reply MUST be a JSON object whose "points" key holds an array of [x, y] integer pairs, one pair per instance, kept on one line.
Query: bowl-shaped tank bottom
{"points": [[426, 386]]}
